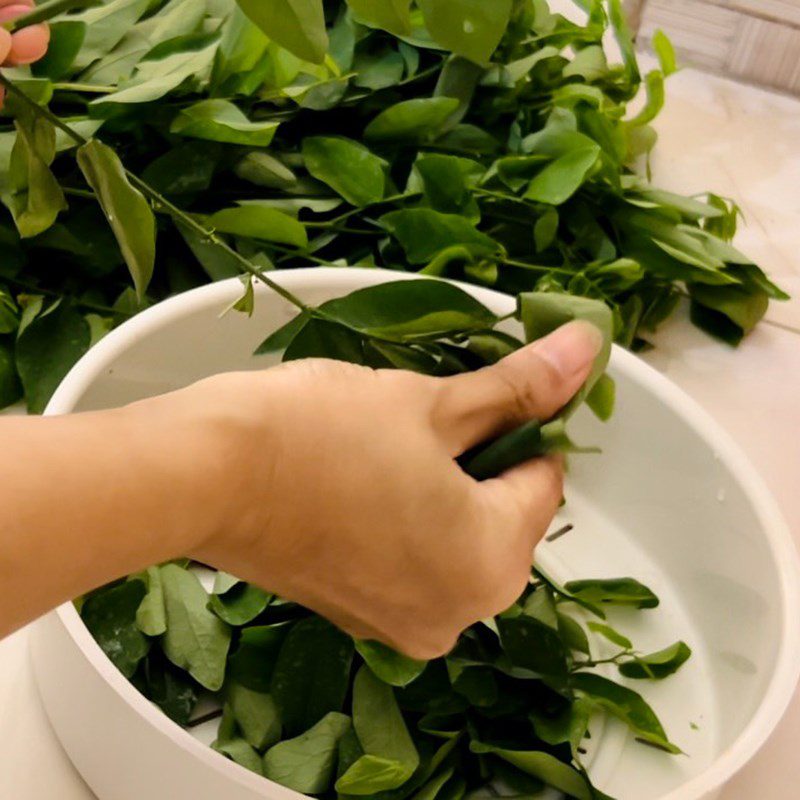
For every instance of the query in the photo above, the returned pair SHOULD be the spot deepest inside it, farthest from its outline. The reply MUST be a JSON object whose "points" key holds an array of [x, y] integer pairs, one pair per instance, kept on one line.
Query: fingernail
{"points": [[571, 348]]}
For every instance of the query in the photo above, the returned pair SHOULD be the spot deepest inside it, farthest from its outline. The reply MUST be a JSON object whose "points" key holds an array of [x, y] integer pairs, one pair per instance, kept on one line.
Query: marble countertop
{"points": [[715, 134]]}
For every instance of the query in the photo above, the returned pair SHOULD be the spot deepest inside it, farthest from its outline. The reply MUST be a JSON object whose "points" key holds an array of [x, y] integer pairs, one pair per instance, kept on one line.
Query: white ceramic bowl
{"points": [[671, 501]]}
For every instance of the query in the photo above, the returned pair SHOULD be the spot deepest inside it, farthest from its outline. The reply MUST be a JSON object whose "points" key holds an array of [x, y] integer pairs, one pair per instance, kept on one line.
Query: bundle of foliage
{"points": [[507, 712], [486, 141]]}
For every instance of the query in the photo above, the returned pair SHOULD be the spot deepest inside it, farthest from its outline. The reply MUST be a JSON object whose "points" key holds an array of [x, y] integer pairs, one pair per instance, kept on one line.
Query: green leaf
{"points": [[30, 190], [151, 616], [625, 704], [240, 752], [423, 233], [170, 688], [10, 386], [624, 37], [615, 592], [658, 666], [110, 616], [66, 39], [189, 58], [665, 52], [543, 312], [546, 230], [559, 180], [240, 604], [196, 640], [654, 83], [256, 714], [47, 348], [602, 398], [222, 121], [252, 663], [566, 727], [283, 337], [410, 307], [390, 15], [297, 25], [533, 645], [448, 181], [265, 170], [223, 582], [388, 665], [589, 63], [543, 766], [390, 755], [311, 676], [306, 763], [613, 636], [347, 167], [319, 338], [471, 28], [505, 453], [572, 633], [127, 211], [105, 27], [259, 222], [418, 120], [727, 312]]}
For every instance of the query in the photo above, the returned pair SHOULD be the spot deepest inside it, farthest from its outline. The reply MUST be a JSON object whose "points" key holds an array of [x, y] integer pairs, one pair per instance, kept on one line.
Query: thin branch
{"points": [[46, 11]]}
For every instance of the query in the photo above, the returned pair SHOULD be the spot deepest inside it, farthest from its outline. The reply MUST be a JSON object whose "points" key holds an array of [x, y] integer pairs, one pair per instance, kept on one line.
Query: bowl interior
{"points": [[669, 502]]}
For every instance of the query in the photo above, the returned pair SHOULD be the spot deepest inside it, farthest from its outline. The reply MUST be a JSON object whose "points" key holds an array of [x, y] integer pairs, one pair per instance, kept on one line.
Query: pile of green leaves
{"points": [[486, 141], [508, 710], [306, 706]]}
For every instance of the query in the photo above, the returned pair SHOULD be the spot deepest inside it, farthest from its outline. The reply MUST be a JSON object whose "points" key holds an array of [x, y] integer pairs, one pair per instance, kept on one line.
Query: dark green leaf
{"points": [[728, 312], [66, 39], [306, 764], [543, 766], [297, 25], [559, 180], [319, 338], [660, 665], [127, 211], [471, 28], [424, 233], [614, 591], [347, 167], [170, 688], [508, 451], [222, 121], [110, 616], [241, 752], [411, 120], [252, 663], [533, 645], [391, 15], [151, 616], [625, 704], [390, 666], [240, 605], [10, 386], [311, 676], [259, 222], [47, 348]]}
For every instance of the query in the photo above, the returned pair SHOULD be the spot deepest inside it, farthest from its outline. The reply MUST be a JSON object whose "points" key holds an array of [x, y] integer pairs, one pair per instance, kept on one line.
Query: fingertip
{"points": [[5, 44], [28, 45]]}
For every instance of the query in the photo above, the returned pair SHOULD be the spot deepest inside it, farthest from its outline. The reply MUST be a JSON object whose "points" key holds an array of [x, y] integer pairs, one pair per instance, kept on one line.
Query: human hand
{"points": [[336, 486], [22, 47]]}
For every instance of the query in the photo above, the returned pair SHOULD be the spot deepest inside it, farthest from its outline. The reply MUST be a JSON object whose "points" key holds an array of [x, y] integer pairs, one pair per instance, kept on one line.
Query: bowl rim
{"points": [[215, 296]]}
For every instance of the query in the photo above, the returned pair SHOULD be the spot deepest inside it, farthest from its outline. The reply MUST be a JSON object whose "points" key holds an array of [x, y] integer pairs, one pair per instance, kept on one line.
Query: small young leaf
{"points": [[252, 663], [242, 753], [665, 52], [306, 763], [613, 636], [240, 604], [151, 616], [390, 15], [602, 397], [126, 210]]}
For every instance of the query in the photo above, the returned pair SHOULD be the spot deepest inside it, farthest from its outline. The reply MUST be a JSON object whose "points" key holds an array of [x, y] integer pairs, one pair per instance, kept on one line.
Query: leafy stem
{"points": [[160, 202], [45, 11]]}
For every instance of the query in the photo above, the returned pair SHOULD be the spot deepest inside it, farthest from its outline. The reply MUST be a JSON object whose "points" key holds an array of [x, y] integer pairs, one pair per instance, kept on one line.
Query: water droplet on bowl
{"points": [[468, 26]]}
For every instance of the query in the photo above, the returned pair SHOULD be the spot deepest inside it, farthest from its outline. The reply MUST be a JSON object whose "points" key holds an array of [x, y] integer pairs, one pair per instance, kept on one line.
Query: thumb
{"points": [[532, 383]]}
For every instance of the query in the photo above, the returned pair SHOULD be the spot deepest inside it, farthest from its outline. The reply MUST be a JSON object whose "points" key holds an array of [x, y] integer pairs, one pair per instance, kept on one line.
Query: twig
{"points": [[559, 533], [46, 11]]}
